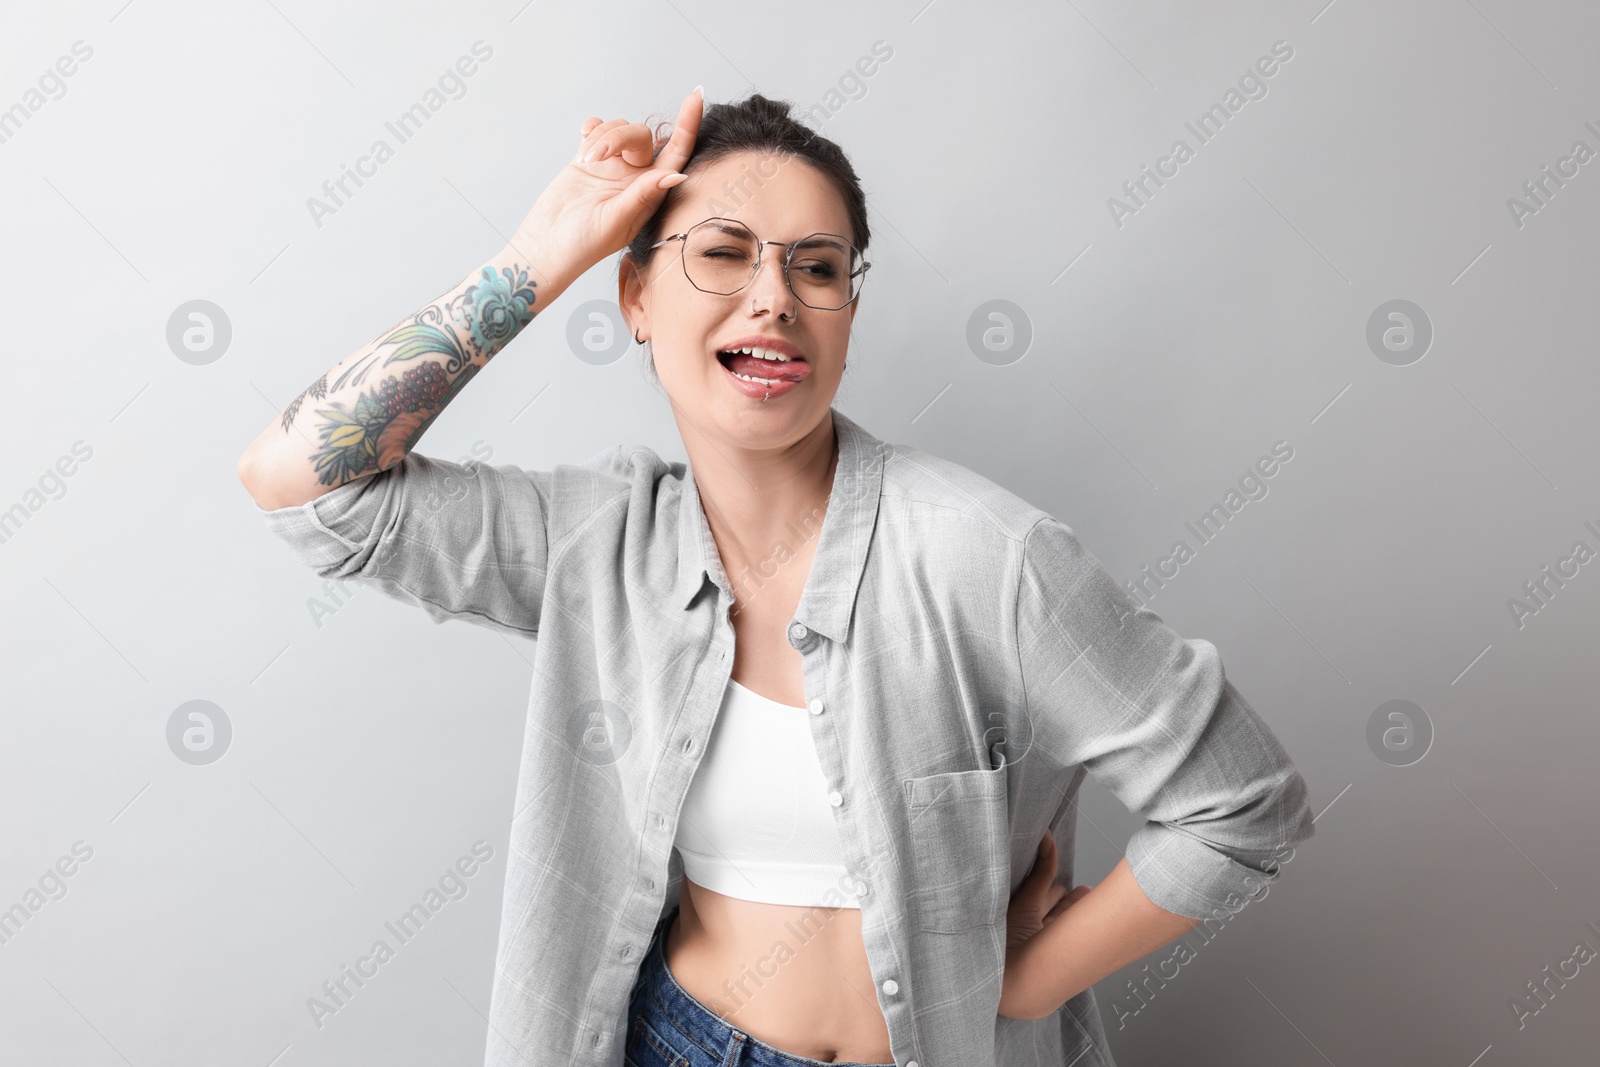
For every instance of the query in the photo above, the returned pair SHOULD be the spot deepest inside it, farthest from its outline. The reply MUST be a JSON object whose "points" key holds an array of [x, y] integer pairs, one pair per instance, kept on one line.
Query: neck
{"points": [[763, 505]]}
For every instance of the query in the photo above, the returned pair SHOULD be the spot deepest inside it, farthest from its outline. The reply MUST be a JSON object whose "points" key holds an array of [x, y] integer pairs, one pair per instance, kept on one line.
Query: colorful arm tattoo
{"points": [[379, 426]]}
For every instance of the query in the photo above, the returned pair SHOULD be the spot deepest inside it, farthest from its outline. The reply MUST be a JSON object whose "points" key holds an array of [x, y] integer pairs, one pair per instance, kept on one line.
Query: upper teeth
{"points": [[759, 353]]}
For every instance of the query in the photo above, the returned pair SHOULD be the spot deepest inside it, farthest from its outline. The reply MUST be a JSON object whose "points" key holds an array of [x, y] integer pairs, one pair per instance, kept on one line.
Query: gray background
{"points": [[371, 748]]}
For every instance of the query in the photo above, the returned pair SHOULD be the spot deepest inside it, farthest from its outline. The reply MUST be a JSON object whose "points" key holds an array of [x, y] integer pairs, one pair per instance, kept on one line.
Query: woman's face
{"points": [[780, 198]]}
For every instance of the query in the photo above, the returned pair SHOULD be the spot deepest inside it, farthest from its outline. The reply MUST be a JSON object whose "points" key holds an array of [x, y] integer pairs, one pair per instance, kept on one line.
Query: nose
{"points": [[768, 289]]}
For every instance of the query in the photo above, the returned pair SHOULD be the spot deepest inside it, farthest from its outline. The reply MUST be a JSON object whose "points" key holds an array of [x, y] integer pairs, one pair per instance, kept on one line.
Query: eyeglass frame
{"points": [[761, 247]]}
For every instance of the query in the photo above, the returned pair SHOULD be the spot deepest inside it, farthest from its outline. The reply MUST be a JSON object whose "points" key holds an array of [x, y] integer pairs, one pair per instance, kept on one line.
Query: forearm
{"points": [[369, 410], [1110, 927]]}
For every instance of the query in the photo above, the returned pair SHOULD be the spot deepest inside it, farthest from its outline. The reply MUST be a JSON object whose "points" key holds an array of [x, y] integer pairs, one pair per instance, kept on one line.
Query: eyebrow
{"points": [[822, 241]]}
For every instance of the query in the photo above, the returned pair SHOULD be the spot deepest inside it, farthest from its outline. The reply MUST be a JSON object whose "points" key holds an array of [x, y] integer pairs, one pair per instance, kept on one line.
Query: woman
{"points": [[810, 712]]}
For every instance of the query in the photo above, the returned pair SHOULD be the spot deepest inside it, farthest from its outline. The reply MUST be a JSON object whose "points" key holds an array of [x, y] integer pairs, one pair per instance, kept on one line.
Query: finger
{"points": [[641, 198], [633, 142], [597, 147], [588, 125], [1044, 867], [676, 152], [1045, 854], [595, 135], [1038, 860], [1069, 899]]}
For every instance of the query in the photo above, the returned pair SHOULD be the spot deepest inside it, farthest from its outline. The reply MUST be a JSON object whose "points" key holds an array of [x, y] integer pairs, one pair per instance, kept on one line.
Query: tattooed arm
{"points": [[366, 413]]}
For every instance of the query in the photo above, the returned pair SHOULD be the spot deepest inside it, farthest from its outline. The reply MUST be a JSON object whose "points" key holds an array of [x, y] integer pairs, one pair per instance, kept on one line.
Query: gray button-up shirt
{"points": [[968, 661]]}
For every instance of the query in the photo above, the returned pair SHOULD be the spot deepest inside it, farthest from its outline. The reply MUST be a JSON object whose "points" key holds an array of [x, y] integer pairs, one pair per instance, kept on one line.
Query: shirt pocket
{"points": [[960, 863]]}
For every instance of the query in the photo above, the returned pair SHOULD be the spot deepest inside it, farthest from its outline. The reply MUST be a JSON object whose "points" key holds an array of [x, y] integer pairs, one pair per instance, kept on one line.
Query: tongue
{"points": [[763, 368]]}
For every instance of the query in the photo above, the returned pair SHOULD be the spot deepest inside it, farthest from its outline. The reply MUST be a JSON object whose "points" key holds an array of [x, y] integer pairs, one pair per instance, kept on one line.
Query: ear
{"points": [[630, 292]]}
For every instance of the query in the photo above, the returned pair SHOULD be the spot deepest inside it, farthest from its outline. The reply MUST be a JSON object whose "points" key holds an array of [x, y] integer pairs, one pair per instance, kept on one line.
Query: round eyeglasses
{"points": [[721, 256]]}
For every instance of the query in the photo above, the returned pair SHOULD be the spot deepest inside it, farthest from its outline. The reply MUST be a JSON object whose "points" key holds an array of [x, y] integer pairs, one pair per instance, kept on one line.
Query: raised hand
{"points": [[603, 197]]}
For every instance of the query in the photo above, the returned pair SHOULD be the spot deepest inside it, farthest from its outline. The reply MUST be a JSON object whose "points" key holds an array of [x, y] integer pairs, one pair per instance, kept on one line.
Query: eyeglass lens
{"points": [[824, 271]]}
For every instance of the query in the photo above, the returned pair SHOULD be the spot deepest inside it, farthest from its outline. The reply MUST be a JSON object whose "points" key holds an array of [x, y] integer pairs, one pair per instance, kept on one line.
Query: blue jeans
{"points": [[669, 1028]]}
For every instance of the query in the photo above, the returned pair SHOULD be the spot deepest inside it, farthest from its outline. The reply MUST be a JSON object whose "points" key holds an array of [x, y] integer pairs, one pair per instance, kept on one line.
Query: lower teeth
{"points": [[759, 381]]}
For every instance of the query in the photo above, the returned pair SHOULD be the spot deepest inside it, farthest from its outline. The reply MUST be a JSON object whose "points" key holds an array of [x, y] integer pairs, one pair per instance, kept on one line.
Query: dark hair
{"points": [[765, 126]]}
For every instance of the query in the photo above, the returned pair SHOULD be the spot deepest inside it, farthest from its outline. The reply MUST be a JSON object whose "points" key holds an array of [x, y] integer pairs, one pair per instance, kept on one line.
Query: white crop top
{"points": [[757, 822]]}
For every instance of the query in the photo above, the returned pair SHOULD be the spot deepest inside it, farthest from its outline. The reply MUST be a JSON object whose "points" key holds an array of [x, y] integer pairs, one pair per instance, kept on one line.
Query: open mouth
{"points": [[763, 367]]}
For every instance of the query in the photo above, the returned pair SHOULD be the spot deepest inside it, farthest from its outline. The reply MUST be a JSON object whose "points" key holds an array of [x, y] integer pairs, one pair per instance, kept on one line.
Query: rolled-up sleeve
{"points": [[1153, 717], [458, 540]]}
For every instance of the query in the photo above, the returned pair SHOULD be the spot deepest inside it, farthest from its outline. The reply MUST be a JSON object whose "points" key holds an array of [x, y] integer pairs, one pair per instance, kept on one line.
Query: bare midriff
{"points": [[793, 977]]}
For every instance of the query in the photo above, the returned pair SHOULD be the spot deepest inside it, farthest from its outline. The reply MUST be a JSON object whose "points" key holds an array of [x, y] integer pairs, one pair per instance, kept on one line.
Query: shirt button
{"points": [[911, 1063], [816, 706], [798, 631], [891, 987], [835, 798]]}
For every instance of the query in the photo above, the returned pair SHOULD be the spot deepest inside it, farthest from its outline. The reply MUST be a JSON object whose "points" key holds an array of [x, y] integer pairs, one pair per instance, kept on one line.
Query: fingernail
{"points": [[701, 89]]}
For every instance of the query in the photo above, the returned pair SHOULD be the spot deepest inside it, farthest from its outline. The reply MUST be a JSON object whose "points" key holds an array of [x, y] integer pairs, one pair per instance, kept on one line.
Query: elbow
{"points": [[246, 470], [1294, 799], [259, 488], [1272, 812]]}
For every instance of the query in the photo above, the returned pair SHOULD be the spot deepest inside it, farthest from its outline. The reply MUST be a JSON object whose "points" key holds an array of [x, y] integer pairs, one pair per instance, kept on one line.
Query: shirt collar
{"points": [[830, 591]]}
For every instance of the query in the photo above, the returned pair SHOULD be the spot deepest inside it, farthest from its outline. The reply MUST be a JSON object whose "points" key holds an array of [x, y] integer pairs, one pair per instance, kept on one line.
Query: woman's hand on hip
{"points": [[1037, 903]]}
